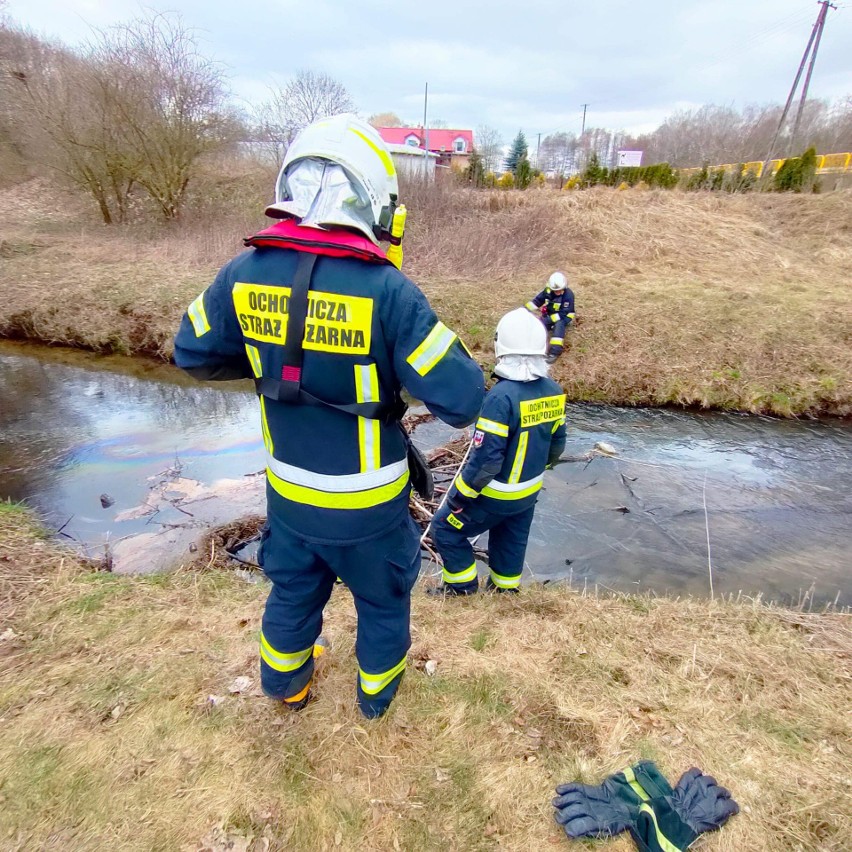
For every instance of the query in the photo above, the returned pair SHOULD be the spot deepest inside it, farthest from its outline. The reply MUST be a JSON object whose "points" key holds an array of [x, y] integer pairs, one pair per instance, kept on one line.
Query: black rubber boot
{"points": [[449, 590]]}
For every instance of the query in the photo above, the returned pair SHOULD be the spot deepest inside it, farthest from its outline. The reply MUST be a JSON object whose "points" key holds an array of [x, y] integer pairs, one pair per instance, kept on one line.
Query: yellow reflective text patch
{"points": [[543, 410], [334, 323]]}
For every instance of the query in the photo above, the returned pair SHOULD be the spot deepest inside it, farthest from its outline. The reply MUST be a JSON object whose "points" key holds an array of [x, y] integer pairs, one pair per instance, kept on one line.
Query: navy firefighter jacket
{"points": [[520, 431], [332, 476], [557, 305]]}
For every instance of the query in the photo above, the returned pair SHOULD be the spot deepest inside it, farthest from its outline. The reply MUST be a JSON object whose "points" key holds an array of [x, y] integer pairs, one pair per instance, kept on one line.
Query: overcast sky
{"points": [[510, 65]]}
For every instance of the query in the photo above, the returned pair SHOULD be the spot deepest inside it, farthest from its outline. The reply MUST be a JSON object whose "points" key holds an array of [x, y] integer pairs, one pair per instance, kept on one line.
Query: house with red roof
{"points": [[452, 147]]}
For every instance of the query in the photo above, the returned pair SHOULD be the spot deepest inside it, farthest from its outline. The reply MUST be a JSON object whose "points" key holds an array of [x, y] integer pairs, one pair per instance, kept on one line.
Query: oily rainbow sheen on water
{"points": [[144, 450]]}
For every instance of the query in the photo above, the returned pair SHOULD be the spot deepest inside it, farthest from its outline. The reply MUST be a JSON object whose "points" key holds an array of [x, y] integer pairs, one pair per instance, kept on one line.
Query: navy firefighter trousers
{"points": [[380, 574], [507, 544]]}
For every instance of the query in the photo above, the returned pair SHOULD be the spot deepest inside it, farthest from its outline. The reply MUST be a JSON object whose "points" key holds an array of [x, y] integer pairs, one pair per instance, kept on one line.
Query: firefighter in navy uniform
{"points": [[519, 433], [337, 476], [555, 307]]}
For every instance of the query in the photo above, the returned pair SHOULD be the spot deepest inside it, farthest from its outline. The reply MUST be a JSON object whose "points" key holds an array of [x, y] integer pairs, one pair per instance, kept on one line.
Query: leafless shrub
{"points": [[140, 106], [489, 144], [167, 102]]}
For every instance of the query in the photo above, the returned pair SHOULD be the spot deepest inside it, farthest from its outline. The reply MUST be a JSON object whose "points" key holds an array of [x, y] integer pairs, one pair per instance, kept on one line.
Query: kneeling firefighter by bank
{"points": [[555, 307], [520, 432], [331, 331]]}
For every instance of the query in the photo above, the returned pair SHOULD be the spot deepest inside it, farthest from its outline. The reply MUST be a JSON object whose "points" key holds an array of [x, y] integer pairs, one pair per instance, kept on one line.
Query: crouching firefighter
{"points": [[519, 433], [331, 330], [555, 307]]}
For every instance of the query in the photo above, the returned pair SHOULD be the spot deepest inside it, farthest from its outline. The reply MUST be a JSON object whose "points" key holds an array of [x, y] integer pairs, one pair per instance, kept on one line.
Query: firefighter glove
{"points": [[701, 803], [672, 822], [587, 811]]}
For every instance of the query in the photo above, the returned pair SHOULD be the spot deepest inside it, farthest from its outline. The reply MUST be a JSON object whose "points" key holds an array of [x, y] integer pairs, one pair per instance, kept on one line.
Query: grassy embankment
{"points": [[736, 302], [108, 739]]}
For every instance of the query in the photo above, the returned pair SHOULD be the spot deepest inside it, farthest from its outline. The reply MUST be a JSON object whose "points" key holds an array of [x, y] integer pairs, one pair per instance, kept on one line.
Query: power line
{"points": [[781, 27], [816, 35], [806, 86]]}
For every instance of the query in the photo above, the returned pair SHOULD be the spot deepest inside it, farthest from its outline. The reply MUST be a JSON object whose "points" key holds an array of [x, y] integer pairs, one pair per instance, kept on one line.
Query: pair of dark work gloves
{"points": [[641, 801]]}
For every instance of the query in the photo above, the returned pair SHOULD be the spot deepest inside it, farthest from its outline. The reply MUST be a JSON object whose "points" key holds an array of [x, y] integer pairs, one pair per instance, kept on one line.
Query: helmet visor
{"points": [[320, 192]]}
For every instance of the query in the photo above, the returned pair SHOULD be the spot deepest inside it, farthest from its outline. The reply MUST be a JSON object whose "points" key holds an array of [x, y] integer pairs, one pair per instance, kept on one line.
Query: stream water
{"points": [[771, 497]]}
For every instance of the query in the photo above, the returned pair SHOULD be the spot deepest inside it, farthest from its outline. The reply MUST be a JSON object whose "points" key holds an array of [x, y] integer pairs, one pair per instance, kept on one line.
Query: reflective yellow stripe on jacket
{"points": [[520, 456], [347, 491], [493, 427], [254, 360], [369, 431], [464, 488], [512, 490], [432, 349], [198, 316]]}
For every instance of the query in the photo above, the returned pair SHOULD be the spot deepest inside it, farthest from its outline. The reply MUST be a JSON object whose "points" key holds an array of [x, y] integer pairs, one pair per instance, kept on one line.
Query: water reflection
{"points": [[778, 505], [70, 432]]}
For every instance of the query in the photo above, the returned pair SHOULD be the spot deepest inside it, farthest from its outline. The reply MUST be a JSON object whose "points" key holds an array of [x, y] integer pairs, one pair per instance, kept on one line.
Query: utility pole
{"points": [[537, 149], [823, 14], [426, 126], [584, 119], [817, 30]]}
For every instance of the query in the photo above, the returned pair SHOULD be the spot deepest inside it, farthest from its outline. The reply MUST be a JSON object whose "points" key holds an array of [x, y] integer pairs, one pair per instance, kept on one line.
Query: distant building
{"points": [[412, 161], [452, 147]]}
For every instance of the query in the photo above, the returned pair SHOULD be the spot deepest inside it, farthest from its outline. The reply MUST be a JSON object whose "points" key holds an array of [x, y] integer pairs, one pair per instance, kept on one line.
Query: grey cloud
{"points": [[505, 64]]}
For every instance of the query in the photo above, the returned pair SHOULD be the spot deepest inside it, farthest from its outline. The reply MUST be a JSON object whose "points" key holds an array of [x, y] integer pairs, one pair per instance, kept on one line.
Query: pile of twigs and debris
{"points": [[444, 462]]}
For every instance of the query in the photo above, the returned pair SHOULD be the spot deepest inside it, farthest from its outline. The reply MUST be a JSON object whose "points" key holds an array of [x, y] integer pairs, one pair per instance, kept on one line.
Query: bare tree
{"points": [[718, 135], [168, 102], [558, 154], [489, 144], [139, 106], [386, 119], [305, 98]]}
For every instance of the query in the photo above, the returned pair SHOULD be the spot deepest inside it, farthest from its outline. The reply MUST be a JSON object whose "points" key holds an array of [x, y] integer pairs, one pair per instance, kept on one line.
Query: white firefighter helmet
{"points": [[558, 281], [520, 333], [338, 171]]}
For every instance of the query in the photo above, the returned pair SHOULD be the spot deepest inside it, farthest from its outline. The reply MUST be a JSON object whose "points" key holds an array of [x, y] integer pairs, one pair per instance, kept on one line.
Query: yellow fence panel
{"points": [[835, 163], [825, 164]]}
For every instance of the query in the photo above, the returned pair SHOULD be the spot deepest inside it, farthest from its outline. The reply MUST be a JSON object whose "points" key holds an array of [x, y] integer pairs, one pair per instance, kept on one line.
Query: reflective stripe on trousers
{"points": [[372, 684], [464, 576]]}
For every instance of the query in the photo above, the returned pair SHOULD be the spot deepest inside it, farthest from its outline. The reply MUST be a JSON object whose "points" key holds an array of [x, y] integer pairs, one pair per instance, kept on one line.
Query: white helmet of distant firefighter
{"points": [[338, 171], [520, 333], [558, 281]]}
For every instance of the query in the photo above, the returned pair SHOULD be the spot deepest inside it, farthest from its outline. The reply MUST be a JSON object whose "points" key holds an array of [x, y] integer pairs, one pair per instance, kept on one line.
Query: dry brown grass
{"points": [[109, 740], [737, 302], [717, 301]]}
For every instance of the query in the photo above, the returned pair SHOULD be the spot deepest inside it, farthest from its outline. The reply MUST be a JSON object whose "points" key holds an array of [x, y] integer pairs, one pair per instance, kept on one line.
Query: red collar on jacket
{"points": [[337, 243]]}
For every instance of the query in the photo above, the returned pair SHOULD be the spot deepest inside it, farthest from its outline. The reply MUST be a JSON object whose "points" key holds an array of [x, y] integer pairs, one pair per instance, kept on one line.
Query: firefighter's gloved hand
{"points": [[587, 811], [701, 803], [458, 502], [543, 309]]}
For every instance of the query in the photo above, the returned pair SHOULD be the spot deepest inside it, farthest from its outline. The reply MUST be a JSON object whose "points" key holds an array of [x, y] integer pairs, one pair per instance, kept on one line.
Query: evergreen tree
{"points": [[593, 173], [475, 172], [523, 173], [517, 152]]}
